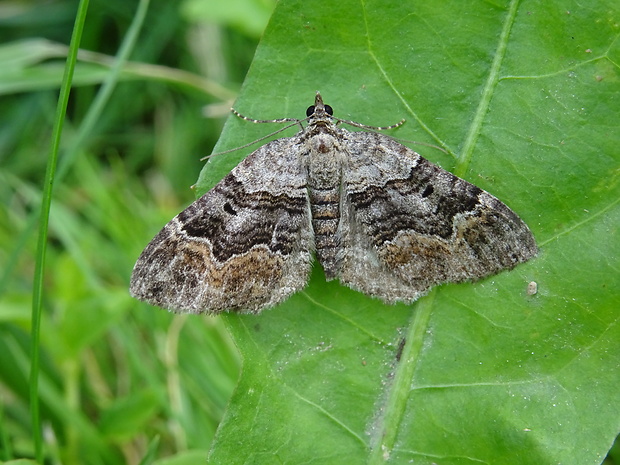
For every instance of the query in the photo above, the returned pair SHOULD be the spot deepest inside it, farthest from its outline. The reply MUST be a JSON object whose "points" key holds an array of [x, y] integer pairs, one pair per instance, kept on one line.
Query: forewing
{"points": [[243, 246], [413, 225]]}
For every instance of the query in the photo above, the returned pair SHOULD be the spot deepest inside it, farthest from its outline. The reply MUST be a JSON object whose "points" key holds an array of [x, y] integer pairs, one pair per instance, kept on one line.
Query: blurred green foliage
{"points": [[115, 373]]}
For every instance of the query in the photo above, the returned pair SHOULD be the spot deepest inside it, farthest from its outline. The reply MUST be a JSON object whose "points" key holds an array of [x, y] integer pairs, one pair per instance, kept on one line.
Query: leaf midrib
{"points": [[384, 439]]}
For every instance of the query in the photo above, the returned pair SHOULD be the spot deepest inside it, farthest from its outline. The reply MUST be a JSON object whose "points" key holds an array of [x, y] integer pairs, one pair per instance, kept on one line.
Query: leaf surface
{"points": [[524, 99]]}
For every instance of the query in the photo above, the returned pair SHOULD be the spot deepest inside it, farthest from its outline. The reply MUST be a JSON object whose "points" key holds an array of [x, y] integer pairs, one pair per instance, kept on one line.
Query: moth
{"points": [[375, 214]]}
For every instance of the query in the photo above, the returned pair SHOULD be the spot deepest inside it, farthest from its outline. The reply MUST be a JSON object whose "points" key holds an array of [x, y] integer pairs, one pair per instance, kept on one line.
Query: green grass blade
{"points": [[46, 201], [108, 86]]}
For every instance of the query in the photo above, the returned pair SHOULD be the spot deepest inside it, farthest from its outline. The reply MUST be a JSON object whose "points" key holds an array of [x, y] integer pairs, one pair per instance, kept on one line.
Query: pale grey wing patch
{"points": [[243, 246], [413, 225]]}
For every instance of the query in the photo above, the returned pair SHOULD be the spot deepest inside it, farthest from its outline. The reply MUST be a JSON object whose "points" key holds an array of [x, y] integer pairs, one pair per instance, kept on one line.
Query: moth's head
{"points": [[319, 109]]}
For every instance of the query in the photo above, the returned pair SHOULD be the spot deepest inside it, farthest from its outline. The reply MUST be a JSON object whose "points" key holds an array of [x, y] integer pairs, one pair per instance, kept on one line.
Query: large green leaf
{"points": [[524, 99]]}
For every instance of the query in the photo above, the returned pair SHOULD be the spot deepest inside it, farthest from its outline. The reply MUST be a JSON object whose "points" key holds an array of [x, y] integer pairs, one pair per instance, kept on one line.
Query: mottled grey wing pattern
{"points": [[413, 225], [257, 218], [381, 218]]}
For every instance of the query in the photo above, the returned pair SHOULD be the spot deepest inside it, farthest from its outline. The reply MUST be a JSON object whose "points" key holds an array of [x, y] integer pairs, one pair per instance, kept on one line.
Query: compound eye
{"points": [[329, 110], [310, 111]]}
